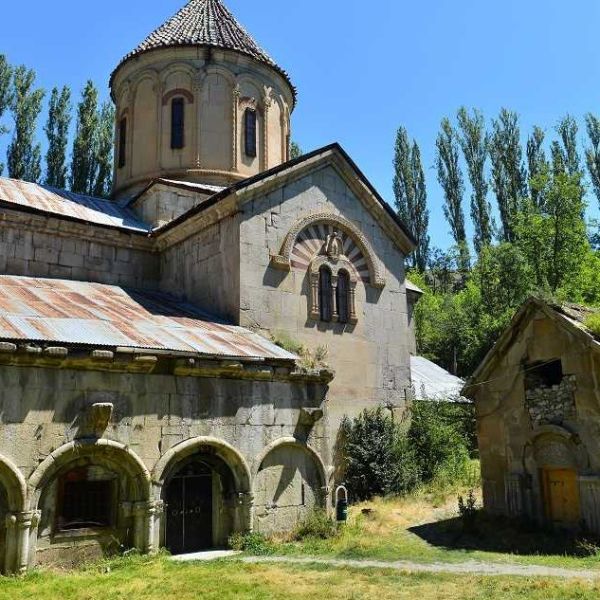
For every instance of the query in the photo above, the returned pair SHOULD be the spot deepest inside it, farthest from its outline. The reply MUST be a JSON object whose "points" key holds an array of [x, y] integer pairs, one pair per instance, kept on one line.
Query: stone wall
{"points": [[556, 427], [41, 247], [258, 426], [371, 358]]}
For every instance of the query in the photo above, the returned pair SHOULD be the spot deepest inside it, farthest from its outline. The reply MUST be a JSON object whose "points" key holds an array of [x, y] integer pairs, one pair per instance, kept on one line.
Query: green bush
{"points": [[253, 543], [318, 525], [386, 458]]}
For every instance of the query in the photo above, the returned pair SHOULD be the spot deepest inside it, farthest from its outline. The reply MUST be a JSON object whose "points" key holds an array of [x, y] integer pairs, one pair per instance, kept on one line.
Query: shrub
{"points": [[253, 542], [318, 525], [467, 509]]}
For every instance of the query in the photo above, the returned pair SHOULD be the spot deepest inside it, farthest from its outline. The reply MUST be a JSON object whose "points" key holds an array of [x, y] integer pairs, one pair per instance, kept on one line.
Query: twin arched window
{"points": [[335, 299]]}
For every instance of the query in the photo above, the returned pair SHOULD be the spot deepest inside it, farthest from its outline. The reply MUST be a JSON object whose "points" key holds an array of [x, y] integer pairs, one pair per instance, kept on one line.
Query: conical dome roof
{"points": [[205, 23]]}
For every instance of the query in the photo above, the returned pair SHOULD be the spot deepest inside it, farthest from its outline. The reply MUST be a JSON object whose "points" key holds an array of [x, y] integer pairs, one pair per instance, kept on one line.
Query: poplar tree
{"points": [[84, 160], [537, 165], [411, 195], [104, 151], [474, 142], [508, 171], [451, 179], [24, 156], [564, 150], [5, 94], [57, 132], [592, 152]]}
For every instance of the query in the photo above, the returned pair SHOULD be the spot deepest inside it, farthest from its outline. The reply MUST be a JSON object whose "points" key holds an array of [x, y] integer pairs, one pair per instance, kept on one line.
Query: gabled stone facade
{"points": [[143, 402]]}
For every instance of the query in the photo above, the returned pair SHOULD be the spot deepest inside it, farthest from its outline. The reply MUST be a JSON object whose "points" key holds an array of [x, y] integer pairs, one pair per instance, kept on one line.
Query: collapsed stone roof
{"points": [[205, 23]]}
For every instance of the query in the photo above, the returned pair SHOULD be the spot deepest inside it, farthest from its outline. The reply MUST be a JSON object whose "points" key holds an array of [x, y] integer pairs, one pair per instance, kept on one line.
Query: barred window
{"points": [[250, 132], [177, 123], [84, 503], [325, 294]]}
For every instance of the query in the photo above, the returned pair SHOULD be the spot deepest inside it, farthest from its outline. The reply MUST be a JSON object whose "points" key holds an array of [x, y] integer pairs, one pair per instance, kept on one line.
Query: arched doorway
{"points": [[198, 504]]}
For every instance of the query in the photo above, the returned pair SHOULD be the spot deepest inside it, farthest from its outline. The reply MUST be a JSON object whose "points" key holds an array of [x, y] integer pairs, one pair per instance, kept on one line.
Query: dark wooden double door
{"points": [[189, 508]]}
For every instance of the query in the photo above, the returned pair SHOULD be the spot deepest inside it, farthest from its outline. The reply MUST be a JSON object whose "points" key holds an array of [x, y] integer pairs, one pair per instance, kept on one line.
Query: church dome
{"points": [[199, 100]]}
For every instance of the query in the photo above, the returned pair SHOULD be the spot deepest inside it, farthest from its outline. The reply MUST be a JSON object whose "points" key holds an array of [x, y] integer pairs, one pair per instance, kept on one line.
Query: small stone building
{"points": [[143, 403], [537, 399]]}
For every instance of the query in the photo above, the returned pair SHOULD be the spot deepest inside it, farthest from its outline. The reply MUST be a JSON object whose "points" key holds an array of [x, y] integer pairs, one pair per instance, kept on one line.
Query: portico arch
{"points": [[204, 486], [13, 495]]}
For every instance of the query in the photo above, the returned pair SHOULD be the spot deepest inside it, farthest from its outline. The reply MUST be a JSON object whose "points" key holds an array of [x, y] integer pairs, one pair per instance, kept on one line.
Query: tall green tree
{"points": [[474, 142], [104, 151], [57, 132], [537, 163], [565, 155], [5, 94], [451, 179], [592, 152], [554, 238], [84, 164], [411, 195], [508, 171], [24, 155]]}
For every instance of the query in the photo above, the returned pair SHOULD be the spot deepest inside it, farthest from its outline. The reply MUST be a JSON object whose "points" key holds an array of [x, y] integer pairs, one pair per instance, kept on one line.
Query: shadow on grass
{"points": [[503, 535]]}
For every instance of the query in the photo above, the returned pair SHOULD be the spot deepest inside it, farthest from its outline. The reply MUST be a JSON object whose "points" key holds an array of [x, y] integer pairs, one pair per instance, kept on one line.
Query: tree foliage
{"points": [[451, 179], [508, 171], [295, 151], [536, 162], [592, 152], [57, 132], [84, 164], [104, 151], [474, 142], [411, 195], [24, 154], [5, 94]]}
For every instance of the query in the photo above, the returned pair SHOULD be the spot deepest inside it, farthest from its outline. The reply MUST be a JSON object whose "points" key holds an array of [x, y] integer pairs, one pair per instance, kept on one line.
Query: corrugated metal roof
{"points": [[67, 204], [59, 311], [431, 382]]}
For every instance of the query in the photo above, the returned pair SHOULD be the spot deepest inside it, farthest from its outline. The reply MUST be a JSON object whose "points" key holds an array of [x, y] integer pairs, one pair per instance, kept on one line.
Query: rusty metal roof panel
{"points": [[46, 199], [93, 314]]}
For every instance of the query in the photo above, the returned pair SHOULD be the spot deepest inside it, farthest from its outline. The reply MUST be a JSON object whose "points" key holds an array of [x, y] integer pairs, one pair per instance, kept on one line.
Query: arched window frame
{"points": [[177, 123], [122, 153], [336, 266], [326, 294]]}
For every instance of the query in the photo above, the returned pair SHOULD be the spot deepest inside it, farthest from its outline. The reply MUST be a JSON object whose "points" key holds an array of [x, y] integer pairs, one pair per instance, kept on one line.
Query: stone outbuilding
{"points": [[143, 401], [537, 400]]}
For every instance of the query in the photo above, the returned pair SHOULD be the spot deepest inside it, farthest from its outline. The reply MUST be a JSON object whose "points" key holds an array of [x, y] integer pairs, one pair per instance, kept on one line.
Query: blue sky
{"points": [[362, 68]]}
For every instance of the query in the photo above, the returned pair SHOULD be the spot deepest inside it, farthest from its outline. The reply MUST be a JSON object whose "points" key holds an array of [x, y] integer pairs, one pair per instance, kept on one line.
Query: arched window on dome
{"points": [[325, 294], [342, 294], [250, 132], [122, 142], [177, 123]]}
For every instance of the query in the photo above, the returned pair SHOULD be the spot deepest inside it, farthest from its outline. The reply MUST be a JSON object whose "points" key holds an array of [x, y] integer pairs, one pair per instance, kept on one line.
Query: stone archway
{"points": [[204, 487], [99, 477], [289, 483], [555, 454], [13, 497]]}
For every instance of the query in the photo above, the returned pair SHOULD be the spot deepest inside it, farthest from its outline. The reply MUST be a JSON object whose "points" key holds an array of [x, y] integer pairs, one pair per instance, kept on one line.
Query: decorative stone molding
{"points": [[176, 93], [284, 259]]}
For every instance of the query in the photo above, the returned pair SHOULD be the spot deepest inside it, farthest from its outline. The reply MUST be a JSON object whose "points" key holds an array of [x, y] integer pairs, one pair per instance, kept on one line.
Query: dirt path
{"points": [[468, 567]]}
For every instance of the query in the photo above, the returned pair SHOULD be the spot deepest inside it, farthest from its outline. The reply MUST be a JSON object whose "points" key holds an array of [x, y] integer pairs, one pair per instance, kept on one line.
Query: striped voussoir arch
{"points": [[310, 242]]}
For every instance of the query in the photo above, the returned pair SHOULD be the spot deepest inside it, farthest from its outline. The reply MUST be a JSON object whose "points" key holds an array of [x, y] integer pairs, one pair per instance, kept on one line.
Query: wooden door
{"points": [[561, 496], [189, 510]]}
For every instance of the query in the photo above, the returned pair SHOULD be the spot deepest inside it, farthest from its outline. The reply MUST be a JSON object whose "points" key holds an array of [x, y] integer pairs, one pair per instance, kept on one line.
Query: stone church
{"points": [[143, 401]]}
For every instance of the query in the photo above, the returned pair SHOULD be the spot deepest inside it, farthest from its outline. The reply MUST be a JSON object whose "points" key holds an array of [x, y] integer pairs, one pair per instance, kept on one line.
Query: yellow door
{"points": [[561, 496]]}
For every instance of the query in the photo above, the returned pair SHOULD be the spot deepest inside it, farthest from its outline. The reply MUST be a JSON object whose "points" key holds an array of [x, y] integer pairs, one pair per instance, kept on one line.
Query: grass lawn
{"points": [[426, 528], [160, 579]]}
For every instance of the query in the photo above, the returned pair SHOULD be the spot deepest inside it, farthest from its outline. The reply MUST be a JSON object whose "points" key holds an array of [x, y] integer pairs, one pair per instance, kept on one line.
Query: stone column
{"points": [[334, 300], [245, 518], [156, 510], [267, 106], [314, 296], [352, 307], [20, 526], [235, 124]]}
